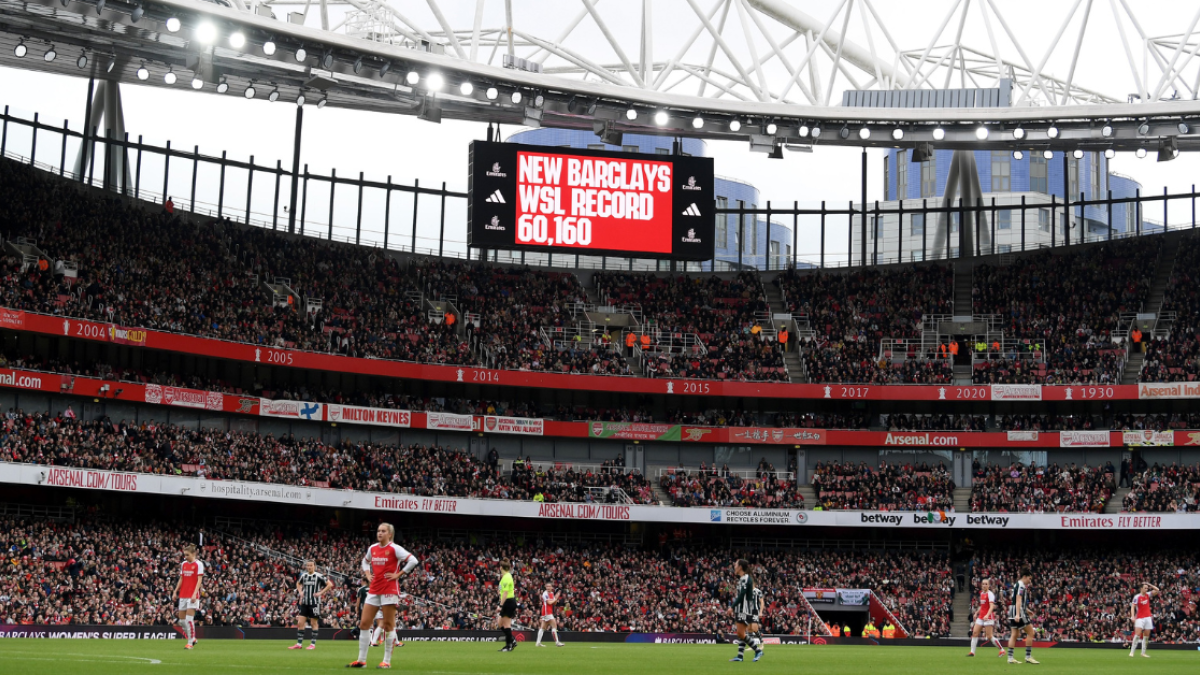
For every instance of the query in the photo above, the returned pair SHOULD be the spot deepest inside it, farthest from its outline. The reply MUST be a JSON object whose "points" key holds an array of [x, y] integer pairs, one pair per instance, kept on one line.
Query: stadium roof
{"points": [[342, 67]]}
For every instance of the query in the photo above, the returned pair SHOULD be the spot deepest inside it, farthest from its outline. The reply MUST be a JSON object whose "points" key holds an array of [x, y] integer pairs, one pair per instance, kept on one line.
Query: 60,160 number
{"points": [[570, 230]]}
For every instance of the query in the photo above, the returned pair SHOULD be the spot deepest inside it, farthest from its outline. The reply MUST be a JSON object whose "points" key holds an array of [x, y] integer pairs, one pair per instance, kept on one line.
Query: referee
{"points": [[311, 586], [508, 606]]}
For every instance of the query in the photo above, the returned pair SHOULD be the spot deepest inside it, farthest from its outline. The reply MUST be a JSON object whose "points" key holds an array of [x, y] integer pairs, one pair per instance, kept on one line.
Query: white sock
{"points": [[974, 642], [1145, 639], [554, 632], [539, 640], [190, 628], [996, 641], [1133, 647], [375, 634], [389, 642], [364, 643]]}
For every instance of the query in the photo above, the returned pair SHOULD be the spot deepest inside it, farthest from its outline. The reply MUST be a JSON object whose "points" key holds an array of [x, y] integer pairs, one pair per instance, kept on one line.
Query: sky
{"points": [[406, 148]]}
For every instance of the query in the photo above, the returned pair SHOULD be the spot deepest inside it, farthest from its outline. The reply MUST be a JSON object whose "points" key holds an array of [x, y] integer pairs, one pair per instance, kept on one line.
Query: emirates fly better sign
{"points": [[590, 202]]}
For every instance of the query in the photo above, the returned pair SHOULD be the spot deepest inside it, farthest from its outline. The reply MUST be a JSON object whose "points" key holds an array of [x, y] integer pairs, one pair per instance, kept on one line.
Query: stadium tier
{"points": [[1061, 318]]}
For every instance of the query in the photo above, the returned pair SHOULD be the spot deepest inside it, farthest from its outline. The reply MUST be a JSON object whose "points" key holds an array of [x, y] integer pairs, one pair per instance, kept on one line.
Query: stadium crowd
{"points": [[1177, 358], [1065, 306], [1165, 489], [852, 313], [230, 455], [890, 487], [1021, 488], [700, 327], [1084, 596], [710, 486]]}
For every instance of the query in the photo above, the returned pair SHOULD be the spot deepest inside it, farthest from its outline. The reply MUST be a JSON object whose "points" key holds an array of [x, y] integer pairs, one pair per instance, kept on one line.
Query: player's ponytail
{"points": [[745, 565]]}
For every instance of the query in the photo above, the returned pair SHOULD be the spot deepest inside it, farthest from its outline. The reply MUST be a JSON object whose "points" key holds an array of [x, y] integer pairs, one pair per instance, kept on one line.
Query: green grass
{"points": [[229, 657]]}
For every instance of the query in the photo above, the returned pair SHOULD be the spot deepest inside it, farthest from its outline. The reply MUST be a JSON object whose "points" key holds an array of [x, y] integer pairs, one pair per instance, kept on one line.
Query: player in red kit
{"points": [[187, 589], [1142, 617], [549, 599], [383, 565], [985, 618]]}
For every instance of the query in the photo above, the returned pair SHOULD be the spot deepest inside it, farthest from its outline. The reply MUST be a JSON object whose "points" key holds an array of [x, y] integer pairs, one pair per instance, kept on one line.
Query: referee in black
{"points": [[311, 586]]}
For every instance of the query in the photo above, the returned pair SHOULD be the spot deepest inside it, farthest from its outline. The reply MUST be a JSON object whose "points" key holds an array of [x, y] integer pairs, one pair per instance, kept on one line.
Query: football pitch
{"points": [[229, 657]]}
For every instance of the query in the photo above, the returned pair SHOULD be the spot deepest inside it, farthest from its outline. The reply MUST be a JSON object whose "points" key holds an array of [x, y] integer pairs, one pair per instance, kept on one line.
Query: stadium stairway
{"points": [[660, 495], [791, 359], [961, 626], [1116, 501], [964, 278], [962, 500], [1154, 303], [809, 494]]}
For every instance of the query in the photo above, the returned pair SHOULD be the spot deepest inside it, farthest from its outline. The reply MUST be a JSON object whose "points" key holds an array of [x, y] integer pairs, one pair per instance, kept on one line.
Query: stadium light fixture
{"points": [[435, 82], [237, 39], [51, 54], [661, 118], [170, 78], [250, 91], [631, 114], [412, 78], [385, 68], [1140, 152], [1109, 153], [516, 97], [357, 65], [981, 132], [21, 50], [222, 86], [323, 101], [327, 61], [1019, 133], [100, 6], [1018, 155], [137, 13], [897, 134], [816, 131], [939, 133], [269, 47], [844, 132], [82, 60], [466, 88], [803, 131], [592, 106], [735, 125], [206, 33], [697, 122], [1077, 153], [143, 73], [1144, 128], [1183, 128], [274, 95], [492, 93], [1047, 154], [1052, 132], [112, 63], [197, 82], [300, 99], [864, 133], [1106, 131], [301, 54], [772, 128], [539, 101], [173, 24]]}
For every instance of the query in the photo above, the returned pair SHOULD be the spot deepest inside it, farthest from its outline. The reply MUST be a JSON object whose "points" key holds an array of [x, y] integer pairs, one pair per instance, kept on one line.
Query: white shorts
{"points": [[382, 600], [985, 622], [185, 604], [548, 617], [1145, 623]]}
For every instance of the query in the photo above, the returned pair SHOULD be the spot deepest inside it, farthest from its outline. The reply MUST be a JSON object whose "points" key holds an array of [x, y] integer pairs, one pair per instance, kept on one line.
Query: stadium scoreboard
{"points": [[590, 202]]}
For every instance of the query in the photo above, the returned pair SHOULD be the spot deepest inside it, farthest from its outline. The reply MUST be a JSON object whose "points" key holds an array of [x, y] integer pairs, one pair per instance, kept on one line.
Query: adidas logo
{"points": [[497, 198], [691, 210]]}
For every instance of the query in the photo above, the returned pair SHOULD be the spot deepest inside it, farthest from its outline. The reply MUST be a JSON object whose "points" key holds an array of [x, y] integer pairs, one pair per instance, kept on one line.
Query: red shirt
{"points": [[190, 574], [986, 605], [548, 601], [1142, 600], [381, 560]]}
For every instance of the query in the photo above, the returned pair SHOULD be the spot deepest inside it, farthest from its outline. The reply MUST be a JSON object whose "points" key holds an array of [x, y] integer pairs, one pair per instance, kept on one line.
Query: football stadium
{"points": [[654, 336]]}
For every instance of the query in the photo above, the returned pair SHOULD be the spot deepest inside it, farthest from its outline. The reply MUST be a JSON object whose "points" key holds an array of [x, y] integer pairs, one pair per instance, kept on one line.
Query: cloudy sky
{"points": [[406, 148]]}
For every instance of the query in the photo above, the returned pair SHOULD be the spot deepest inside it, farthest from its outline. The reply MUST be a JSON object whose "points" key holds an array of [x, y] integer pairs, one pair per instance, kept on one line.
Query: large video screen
{"points": [[590, 202]]}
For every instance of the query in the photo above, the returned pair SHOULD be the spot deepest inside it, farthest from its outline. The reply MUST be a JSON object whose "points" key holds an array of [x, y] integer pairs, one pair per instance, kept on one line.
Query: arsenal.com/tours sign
{"points": [[88, 479]]}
